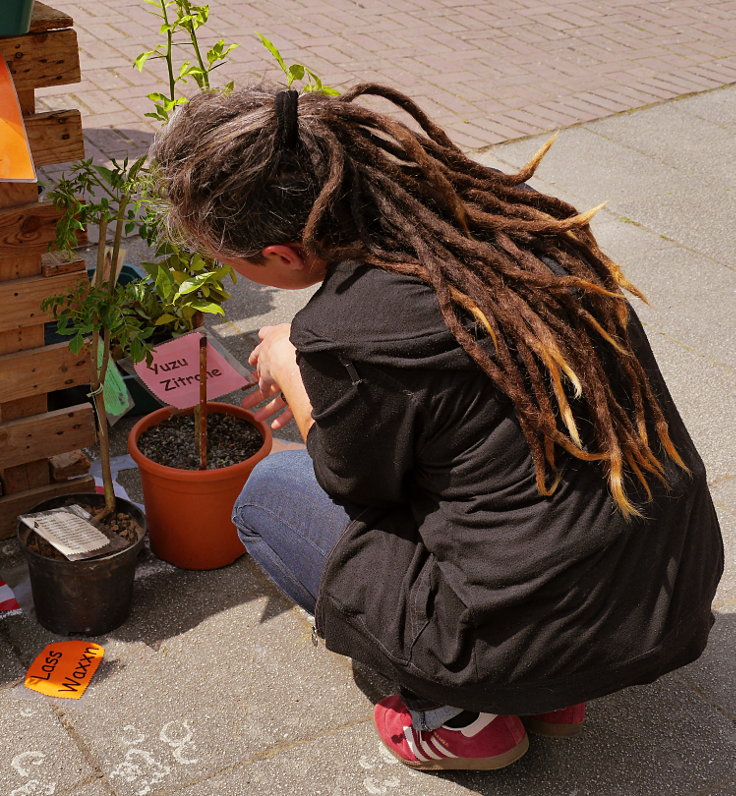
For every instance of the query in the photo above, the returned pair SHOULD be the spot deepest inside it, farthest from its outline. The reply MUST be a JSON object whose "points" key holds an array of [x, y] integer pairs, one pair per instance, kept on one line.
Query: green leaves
{"points": [[178, 286], [89, 309], [181, 17], [297, 72]]}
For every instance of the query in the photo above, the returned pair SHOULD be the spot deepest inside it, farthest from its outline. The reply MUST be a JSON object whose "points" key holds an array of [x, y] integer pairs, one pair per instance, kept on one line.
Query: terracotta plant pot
{"points": [[188, 511], [87, 597]]}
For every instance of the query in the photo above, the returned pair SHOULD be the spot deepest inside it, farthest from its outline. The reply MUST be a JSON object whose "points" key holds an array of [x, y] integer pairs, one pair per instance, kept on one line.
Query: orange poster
{"points": [[16, 164]]}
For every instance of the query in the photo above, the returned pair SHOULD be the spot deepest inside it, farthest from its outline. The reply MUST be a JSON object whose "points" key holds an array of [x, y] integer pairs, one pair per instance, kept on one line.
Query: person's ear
{"points": [[289, 255]]}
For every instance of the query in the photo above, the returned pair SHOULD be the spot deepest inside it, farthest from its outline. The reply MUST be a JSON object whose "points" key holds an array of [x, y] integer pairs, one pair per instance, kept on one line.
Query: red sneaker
{"points": [[559, 723], [489, 742]]}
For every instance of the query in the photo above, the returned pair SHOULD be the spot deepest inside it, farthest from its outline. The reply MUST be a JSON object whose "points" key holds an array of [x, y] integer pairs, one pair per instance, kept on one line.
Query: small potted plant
{"points": [[189, 505], [187, 501], [92, 595]]}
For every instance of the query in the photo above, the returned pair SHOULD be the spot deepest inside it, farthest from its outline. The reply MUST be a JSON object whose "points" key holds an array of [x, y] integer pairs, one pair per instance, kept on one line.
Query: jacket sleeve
{"points": [[366, 423]]}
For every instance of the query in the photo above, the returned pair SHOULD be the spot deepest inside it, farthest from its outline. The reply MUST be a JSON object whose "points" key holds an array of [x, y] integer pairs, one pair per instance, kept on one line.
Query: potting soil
{"points": [[230, 440]]}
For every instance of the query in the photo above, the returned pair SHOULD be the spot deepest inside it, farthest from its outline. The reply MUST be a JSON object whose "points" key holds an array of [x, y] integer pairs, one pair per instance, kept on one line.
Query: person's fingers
{"points": [[252, 398], [270, 409], [254, 354], [282, 419]]}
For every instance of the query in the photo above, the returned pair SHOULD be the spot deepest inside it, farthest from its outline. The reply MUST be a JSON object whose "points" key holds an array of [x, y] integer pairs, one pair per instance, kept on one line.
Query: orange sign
{"points": [[16, 163], [64, 668]]}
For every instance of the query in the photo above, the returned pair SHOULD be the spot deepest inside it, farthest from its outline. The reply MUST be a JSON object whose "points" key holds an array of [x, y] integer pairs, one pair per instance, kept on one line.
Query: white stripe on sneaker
{"points": [[409, 735], [426, 748], [438, 746]]}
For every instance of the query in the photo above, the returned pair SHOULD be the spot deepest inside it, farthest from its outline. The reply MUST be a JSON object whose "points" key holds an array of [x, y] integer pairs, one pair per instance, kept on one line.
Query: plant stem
{"points": [[168, 56], [104, 442], [202, 402], [100, 269], [205, 71]]}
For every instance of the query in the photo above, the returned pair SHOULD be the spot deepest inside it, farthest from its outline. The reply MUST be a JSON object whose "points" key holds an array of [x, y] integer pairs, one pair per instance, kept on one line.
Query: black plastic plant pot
{"points": [[88, 597]]}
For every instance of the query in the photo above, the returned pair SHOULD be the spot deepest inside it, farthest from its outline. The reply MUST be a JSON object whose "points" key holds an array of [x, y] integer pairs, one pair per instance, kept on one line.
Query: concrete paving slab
{"points": [[651, 739], [95, 788], [658, 134], [705, 395], [650, 172], [589, 168], [11, 668], [724, 494], [210, 669], [39, 754], [252, 306], [713, 675], [695, 215], [725, 600], [349, 761], [712, 106], [689, 294]]}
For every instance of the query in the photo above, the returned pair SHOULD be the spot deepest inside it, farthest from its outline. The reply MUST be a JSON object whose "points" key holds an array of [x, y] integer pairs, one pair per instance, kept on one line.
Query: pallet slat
{"points": [[47, 18], [42, 370], [28, 439], [22, 265], [26, 476], [17, 193], [26, 229], [37, 60], [21, 298], [55, 137], [12, 410], [13, 505], [19, 339]]}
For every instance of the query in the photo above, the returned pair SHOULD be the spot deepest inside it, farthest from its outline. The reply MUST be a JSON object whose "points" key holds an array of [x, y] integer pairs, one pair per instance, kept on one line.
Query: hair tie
{"points": [[287, 107]]}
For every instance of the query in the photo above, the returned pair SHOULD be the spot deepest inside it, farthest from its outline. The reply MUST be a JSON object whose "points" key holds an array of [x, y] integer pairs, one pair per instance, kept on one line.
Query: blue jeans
{"points": [[289, 526]]}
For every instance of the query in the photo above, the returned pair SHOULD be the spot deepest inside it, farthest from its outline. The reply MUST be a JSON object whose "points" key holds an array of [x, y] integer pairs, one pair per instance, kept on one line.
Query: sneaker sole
{"points": [[466, 763], [551, 730]]}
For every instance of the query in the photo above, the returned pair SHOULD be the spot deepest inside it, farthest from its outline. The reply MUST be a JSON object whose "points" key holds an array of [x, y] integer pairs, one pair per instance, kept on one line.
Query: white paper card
{"points": [[68, 530]]}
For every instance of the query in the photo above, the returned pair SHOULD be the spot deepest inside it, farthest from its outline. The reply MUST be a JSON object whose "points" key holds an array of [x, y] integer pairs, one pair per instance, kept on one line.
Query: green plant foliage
{"points": [[182, 17], [297, 72]]}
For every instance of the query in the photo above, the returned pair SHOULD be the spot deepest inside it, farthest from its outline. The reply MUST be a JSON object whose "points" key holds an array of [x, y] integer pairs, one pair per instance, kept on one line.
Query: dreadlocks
{"points": [[504, 261]]}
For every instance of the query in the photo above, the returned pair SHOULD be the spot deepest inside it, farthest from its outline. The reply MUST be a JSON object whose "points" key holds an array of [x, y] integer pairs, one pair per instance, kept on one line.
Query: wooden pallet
{"points": [[30, 435]]}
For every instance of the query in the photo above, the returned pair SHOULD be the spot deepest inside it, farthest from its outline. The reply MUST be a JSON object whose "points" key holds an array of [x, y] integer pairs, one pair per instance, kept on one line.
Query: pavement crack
{"points": [[705, 697], [89, 759]]}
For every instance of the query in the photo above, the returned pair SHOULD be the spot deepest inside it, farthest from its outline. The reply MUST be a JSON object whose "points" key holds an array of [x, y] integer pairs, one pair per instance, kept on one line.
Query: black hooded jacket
{"points": [[456, 578]]}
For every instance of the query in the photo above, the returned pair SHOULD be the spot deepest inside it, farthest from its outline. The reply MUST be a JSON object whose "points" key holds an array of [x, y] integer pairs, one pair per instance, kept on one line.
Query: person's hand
{"points": [[274, 360]]}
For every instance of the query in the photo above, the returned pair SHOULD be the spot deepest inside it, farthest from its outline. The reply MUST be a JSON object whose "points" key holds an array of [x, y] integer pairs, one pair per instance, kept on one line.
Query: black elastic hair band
{"points": [[287, 107]]}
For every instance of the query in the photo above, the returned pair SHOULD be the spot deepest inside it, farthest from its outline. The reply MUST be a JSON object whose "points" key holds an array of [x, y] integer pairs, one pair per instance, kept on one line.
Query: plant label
{"points": [[64, 669], [68, 529], [173, 375], [115, 392]]}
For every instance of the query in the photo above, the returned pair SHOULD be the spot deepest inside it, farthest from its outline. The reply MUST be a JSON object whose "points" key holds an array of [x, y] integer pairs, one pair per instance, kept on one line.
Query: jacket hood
{"points": [[367, 314]]}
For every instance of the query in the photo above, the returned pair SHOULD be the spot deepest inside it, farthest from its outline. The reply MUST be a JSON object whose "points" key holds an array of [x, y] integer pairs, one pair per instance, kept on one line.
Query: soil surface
{"points": [[120, 528], [230, 440]]}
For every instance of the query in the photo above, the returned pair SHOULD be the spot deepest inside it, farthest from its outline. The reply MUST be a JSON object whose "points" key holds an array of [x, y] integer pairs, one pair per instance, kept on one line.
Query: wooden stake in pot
{"points": [[203, 402]]}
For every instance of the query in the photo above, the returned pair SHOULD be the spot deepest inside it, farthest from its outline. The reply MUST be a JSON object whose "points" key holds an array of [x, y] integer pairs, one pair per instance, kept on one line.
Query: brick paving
{"points": [[487, 71]]}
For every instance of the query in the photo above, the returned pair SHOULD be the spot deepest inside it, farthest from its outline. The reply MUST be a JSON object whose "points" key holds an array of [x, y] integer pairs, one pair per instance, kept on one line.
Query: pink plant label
{"points": [[173, 375]]}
